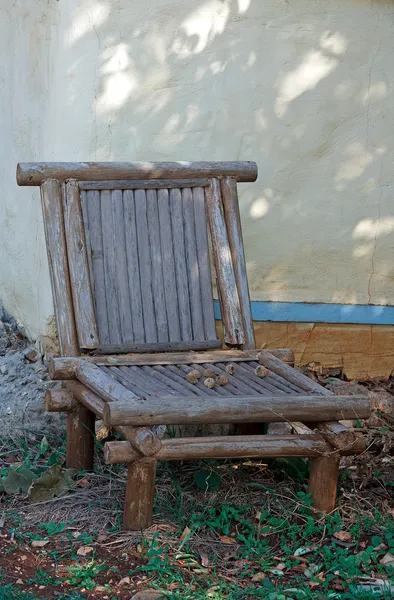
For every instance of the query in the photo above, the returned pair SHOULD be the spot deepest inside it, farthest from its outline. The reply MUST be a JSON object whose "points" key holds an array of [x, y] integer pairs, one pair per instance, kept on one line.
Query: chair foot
{"points": [[323, 481], [140, 492], [80, 438]]}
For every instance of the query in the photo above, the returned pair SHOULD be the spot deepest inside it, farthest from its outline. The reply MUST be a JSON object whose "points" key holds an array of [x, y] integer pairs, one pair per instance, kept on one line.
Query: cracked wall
{"points": [[304, 88]]}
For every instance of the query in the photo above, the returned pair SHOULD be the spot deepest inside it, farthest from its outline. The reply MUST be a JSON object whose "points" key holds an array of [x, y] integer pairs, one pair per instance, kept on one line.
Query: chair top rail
{"points": [[36, 173]]}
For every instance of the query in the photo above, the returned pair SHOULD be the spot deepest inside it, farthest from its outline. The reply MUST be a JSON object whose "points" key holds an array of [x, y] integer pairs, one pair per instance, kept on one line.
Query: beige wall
{"points": [[303, 87]]}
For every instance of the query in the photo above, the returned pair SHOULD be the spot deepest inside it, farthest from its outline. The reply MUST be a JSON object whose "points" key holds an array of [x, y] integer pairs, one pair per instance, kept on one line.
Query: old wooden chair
{"points": [[130, 268]]}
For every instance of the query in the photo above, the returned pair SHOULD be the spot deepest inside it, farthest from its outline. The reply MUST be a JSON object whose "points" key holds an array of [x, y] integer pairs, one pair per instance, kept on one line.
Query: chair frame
{"points": [[88, 392]]}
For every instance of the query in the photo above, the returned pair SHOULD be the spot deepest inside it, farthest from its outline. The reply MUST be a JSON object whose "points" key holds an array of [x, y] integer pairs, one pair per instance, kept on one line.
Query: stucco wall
{"points": [[303, 87]]}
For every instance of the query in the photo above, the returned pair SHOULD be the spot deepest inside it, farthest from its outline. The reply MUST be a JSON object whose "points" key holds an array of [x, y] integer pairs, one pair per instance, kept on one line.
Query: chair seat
{"points": [[171, 380]]}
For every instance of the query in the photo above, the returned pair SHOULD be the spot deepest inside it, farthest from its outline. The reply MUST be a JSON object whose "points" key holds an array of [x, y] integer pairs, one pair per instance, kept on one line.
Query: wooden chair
{"points": [[131, 279]]}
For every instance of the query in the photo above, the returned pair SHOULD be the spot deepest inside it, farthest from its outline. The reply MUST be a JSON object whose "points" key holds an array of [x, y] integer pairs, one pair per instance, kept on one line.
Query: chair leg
{"points": [[140, 493], [323, 481], [80, 438]]}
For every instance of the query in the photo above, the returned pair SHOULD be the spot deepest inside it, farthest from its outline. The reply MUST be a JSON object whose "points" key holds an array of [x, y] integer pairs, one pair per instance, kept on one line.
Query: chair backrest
{"points": [[129, 254]]}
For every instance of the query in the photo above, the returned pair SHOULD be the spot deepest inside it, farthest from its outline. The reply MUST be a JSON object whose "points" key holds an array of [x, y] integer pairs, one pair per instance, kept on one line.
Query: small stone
{"points": [[85, 550], [230, 369], [147, 595], [100, 588], [209, 382], [209, 373], [31, 356], [221, 380], [261, 371], [39, 543], [125, 581], [3, 369], [193, 376], [19, 581]]}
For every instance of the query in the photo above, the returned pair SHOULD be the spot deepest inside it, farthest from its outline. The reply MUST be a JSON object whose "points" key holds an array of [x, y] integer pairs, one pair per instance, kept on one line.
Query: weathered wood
{"points": [[133, 267], [284, 354], [121, 269], [342, 438], [93, 224], [179, 244], [52, 208], [266, 358], [193, 274], [167, 253], [140, 492], [85, 224], [127, 410], [59, 400], [85, 318], [204, 266], [86, 397], [145, 266], [144, 440], [80, 438], [234, 232], [152, 211], [102, 384], [240, 446], [323, 481], [157, 346], [36, 173], [110, 240], [143, 184], [228, 297]]}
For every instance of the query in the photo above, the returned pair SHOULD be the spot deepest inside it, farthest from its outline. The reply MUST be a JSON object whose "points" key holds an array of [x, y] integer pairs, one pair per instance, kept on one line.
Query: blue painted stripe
{"points": [[300, 312]]}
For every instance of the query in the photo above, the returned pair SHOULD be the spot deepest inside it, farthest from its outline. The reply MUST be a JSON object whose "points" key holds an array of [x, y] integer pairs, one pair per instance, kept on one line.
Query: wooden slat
{"points": [[52, 209], [192, 265], [232, 409], [85, 318], [133, 267], [138, 390], [143, 184], [157, 346], [97, 258], [145, 266], [240, 446], [85, 217], [234, 232], [159, 302], [121, 270], [203, 263], [102, 384], [167, 253], [35, 173], [146, 381], [230, 307], [109, 252], [180, 265]]}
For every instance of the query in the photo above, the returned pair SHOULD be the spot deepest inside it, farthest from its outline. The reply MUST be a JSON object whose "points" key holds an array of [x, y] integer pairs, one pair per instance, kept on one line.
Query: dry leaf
{"points": [[204, 559], [19, 581], [258, 577], [185, 533], [343, 536], [102, 537], [227, 540], [85, 550], [387, 560], [83, 483], [125, 581], [39, 543]]}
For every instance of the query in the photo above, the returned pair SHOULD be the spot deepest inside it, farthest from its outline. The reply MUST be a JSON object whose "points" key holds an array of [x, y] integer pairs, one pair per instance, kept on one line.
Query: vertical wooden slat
{"points": [[122, 282], [157, 269], [97, 255], [204, 267], [145, 266], [52, 208], [85, 217], [85, 318], [109, 249], [167, 253], [133, 267], [180, 264], [230, 307], [192, 265], [234, 232]]}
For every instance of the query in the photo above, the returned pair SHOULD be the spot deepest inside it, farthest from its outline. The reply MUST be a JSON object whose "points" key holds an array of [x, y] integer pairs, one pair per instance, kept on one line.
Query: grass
{"points": [[227, 530]]}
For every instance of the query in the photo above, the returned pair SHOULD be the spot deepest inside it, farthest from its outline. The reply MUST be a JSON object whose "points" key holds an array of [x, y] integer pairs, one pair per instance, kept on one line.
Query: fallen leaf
{"points": [[343, 536], [185, 533], [125, 581], [387, 560], [302, 550], [227, 540], [276, 572], [51, 484], [18, 481], [39, 543], [83, 483], [204, 559], [102, 537], [85, 550], [19, 581], [258, 577]]}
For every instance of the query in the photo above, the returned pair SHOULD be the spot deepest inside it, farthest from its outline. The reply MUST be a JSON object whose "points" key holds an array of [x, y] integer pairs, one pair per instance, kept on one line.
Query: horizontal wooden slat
{"points": [[240, 446], [35, 173], [157, 347], [143, 184], [232, 409]]}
